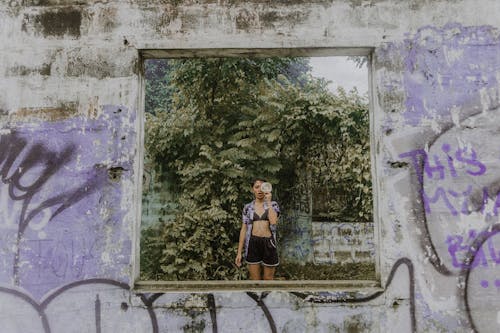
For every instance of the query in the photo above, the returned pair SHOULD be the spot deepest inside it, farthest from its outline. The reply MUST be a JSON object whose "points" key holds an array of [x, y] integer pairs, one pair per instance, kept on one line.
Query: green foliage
{"points": [[326, 144], [344, 271], [151, 249], [226, 121], [158, 90]]}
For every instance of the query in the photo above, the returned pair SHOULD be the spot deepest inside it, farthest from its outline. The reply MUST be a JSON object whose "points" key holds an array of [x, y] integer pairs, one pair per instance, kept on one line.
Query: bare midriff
{"points": [[261, 228]]}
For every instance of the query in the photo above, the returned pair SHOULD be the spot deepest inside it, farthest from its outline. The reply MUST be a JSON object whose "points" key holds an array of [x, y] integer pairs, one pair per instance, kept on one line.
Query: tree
{"points": [[158, 88]]}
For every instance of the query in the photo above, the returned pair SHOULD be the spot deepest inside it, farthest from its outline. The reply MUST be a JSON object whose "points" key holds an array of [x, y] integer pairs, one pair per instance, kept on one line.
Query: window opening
{"points": [[213, 125]]}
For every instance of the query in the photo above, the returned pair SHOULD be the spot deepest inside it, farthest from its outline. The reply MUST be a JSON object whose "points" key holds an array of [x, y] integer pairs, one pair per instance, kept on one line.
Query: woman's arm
{"points": [[273, 209], [273, 216], [243, 233]]}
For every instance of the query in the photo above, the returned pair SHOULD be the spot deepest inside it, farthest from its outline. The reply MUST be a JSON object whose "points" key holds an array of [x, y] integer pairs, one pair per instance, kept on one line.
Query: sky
{"points": [[342, 72]]}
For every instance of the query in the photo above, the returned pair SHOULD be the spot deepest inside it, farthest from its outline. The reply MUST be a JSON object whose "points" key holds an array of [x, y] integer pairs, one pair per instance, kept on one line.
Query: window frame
{"points": [[249, 285]]}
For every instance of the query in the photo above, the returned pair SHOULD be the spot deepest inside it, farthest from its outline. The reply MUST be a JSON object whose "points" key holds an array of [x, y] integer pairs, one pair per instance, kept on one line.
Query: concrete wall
{"points": [[70, 157], [340, 242]]}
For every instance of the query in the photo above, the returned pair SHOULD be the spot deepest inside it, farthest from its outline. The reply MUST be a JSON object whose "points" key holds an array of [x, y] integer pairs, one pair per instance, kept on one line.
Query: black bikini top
{"points": [[257, 217]]}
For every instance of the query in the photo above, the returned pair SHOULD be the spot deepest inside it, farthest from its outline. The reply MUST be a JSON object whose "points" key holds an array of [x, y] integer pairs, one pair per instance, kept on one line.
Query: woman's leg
{"points": [[269, 272], [254, 270]]}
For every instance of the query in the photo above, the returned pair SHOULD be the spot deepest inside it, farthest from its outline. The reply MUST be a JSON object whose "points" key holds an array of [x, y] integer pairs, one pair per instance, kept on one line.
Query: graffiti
{"points": [[348, 298], [477, 249], [294, 234], [259, 300], [43, 308], [465, 160], [456, 183], [61, 258], [440, 75], [213, 312], [60, 183], [486, 284], [97, 314], [450, 86], [464, 200], [114, 293], [26, 169], [341, 242], [324, 242], [457, 202], [459, 248]]}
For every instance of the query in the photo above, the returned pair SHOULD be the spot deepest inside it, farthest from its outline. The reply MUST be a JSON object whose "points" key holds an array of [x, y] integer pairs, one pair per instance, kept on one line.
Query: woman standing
{"points": [[258, 234]]}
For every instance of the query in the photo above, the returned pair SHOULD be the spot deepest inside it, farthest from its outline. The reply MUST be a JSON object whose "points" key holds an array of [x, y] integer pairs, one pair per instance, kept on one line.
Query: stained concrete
{"points": [[70, 184]]}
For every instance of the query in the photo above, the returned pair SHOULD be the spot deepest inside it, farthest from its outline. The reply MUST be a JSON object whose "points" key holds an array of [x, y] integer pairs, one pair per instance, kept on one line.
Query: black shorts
{"points": [[262, 250]]}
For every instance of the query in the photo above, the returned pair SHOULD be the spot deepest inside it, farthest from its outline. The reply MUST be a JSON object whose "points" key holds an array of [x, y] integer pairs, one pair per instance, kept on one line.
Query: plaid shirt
{"points": [[248, 211]]}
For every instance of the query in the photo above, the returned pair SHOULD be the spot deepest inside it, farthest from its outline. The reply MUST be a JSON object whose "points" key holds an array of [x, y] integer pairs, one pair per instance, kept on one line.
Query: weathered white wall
{"points": [[69, 162], [338, 242]]}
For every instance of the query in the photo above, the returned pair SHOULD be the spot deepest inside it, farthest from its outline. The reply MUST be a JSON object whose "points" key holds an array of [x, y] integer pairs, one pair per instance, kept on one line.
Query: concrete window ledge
{"points": [[364, 286]]}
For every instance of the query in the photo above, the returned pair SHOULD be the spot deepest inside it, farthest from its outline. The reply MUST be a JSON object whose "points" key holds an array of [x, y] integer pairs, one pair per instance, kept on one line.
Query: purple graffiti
{"points": [[58, 258], [26, 169], [459, 81], [436, 170], [444, 167], [486, 283], [60, 194], [439, 193], [460, 250], [458, 202]]}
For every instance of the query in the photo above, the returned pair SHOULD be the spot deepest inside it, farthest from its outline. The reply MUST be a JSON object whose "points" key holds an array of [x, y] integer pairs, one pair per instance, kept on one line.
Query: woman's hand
{"points": [[237, 261], [267, 197]]}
